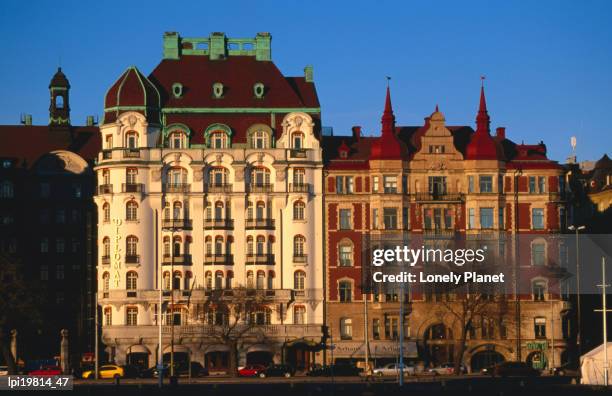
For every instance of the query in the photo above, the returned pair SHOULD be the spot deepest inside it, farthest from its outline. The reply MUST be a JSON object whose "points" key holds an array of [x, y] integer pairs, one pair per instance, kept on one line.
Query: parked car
{"points": [[47, 370], [132, 371], [446, 368], [180, 370], [513, 369], [392, 369], [251, 370], [3, 370], [278, 370], [566, 371], [106, 371], [338, 370]]}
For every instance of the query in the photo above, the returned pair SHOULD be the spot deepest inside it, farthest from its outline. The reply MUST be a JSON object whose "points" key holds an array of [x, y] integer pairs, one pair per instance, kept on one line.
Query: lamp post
{"points": [[577, 229]]}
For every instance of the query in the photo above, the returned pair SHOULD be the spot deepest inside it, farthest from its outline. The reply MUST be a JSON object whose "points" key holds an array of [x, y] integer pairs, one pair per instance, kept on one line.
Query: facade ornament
{"points": [[298, 121], [156, 174], [219, 158], [177, 157], [132, 121], [198, 175], [239, 174], [281, 174]]}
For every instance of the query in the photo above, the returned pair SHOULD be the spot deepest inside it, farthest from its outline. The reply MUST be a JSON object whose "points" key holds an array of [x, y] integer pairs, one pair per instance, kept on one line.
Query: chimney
{"points": [[26, 119], [500, 132], [309, 73], [356, 132], [90, 121]]}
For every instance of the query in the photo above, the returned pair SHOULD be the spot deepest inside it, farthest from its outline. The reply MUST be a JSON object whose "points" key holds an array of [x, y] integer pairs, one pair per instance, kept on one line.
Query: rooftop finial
{"points": [[482, 119], [437, 109]]}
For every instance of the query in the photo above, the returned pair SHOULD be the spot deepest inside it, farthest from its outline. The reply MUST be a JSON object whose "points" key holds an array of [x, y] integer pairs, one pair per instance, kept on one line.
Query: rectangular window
{"points": [[390, 183], [405, 218], [345, 219], [60, 245], [60, 216], [349, 184], [500, 219], [539, 327], [45, 190], [437, 185], [538, 254], [339, 184], [132, 316], [437, 218], [375, 184], [390, 218], [428, 215], [376, 329], [542, 184], [375, 218], [44, 245], [448, 218], [537, 218], [405, 184], [486, 218], [532, 184], [486, 184], [471, 218], [470, 184], [500, 184], [436, 149], [345, 253], [59, 271], [44, 272]]}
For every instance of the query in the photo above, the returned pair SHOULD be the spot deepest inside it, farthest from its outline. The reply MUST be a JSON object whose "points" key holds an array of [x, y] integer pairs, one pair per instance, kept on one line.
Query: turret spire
{"points": [[482, 119], [388, 119]]}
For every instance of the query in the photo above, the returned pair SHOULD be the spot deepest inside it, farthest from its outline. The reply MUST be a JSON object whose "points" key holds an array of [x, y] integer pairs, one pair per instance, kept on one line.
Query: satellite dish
{"points": [[573, 143]]}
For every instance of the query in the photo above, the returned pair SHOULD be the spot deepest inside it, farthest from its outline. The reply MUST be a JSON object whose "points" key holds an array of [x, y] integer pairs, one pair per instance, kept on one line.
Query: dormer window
{"points": [[218, 90], [343, 154], [258, 90], [131, 140], [297, 140], [177, 140], [436, 149], [177, 90], [218, 140]]}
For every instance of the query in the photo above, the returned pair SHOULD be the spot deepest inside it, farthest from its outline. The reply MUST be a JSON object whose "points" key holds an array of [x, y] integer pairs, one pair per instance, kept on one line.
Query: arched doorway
{"points": [[138, 355], [259, 354], [485, 359], [299, 354], [438, 344], [537, 360], [217, 359]]}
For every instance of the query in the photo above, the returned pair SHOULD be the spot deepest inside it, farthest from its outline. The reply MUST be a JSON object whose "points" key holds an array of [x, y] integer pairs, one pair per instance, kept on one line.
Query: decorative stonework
{"points": [[198, 175], [156, 174]]}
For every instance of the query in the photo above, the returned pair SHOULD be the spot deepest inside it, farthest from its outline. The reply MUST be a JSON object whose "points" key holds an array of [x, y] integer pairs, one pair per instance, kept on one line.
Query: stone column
{"points": [[64, 352], [14, 345]]}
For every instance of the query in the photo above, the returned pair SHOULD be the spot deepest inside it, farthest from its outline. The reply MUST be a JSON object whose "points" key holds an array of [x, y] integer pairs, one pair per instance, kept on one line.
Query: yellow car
{"points": [[106, 371]]}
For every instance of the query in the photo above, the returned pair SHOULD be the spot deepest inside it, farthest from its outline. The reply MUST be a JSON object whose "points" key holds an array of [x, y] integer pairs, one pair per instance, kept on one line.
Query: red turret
{"points": [[482, 146], [387, 146]]}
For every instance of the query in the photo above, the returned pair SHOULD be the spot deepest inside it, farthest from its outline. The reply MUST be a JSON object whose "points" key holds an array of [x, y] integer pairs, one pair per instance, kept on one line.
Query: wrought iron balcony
{"points": [[260, 187], [107, 154], [105, 189], [105, 260], [218, 187], [179, 259], [218, 224], [182, 224], [300, 258], [219, 259], [299, 187], [178, 187], [131, 153], [264, 259], [132, 259], [260, 224], [132, 187]]}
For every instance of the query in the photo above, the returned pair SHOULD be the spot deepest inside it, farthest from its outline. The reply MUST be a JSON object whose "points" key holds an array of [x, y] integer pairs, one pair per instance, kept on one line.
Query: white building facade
{"points": [[210, 179]]}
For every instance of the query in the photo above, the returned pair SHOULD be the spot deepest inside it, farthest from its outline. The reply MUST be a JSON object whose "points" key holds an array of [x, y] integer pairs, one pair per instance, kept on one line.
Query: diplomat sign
{"points": [[117, 253], [377, 349]]}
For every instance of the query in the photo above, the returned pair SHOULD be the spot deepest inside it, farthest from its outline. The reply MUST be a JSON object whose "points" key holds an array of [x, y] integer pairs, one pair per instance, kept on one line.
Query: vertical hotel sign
{"points": [[117, 253]]}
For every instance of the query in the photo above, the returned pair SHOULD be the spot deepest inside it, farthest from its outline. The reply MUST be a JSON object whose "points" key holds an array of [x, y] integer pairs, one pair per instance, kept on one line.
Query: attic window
{"points": [[218, 90], [177, 90], [343, 154], [258, 90]]}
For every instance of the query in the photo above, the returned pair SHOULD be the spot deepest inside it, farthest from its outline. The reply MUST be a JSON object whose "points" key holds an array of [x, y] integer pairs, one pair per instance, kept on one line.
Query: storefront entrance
{"points": [[259, 357], [484, 359]]}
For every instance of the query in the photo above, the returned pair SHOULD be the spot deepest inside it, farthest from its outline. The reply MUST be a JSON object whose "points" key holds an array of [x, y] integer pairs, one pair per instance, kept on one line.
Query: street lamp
{"points": [[577, 229]]}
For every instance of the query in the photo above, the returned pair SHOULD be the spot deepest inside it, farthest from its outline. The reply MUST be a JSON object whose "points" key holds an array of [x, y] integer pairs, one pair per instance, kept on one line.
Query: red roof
{"points": [[132, 89], [482, 146], [388, 146]]}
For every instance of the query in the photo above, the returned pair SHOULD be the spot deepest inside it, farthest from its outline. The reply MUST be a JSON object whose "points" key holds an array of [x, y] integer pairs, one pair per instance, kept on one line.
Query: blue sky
{"points": [[548, 63]]}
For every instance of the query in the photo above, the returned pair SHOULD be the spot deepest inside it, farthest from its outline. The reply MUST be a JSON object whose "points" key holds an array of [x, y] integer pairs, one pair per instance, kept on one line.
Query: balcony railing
{"points": [[297, 153], [218, 224], [132, 187], [300, 258], [105, 189], [107, 154], [178, 187], [183, 224], [131, 153], [218, 187], [299, 187], [260, 259], [260, 224], [132, 259], [219, 259], [436, 197], [105, 260], [179, 259], [260, 187], [439, 233]]}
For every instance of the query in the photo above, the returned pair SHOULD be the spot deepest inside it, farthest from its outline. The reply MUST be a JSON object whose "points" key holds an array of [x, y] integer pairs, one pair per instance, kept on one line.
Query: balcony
{"points": [[105, 189], [260, 187], [218, 187], [297, 153], [439, 233], [132, 259], [264, 259], [279, 330], [300, 258], [177, 187], [106, 260], [438, 197], [132, 187], [131, 153], [179, 259], [218, 224], [176, 224], [219, 259], [107, 154], [299, 188], [260, 224]]}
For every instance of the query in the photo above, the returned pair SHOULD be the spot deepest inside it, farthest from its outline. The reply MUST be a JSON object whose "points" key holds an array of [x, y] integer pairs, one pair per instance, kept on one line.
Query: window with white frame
{"points": [[345, 291], [299, 209], [131, 280], [345, 254], [131, 211], [131, 316], [299, 280], [346, 328], [299, 315]]}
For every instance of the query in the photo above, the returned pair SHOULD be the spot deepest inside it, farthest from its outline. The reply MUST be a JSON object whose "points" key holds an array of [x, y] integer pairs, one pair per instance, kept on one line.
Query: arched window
{"points": [[176, 280], [345, 291], [297, 140], [218, 140], [208, 245], [131, 211], [219, 209], [105, 282], [228, 279], [131, 246], [131, 280], [346, 328], [299, 314], [176, 246], [260, 210], [6, 190], [261, 243], [108, 316], [177, 209], [106, 212], [218, 280], [299, 280], [261, 279], [177, 176], [208, 280], [106, 247], [250, 280], [271, 276], [177, 140], [188, 277], [218, 176], [299, 243], [249, 245], [131, 140], [345, 254], [259, 139], [260, 177], [218, 245], [299, 210], [167, 280], [166, 246], [250, 210], [270, 247], [59, 102]]}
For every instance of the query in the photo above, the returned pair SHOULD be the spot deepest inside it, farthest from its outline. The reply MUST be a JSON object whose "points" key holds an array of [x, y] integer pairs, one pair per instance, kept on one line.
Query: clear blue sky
{"points": [[548, 63]]}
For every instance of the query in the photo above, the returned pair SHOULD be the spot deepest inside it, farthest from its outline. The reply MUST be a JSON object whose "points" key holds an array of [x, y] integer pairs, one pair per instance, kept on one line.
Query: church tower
{"points": [[59, 108]]}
